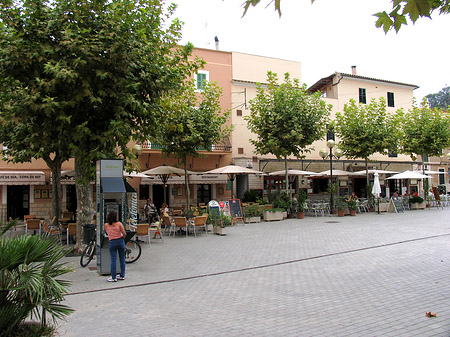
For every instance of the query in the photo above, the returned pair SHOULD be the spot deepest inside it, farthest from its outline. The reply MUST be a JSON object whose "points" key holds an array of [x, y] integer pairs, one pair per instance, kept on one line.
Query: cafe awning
{"points": [[193, 179], [22, 178]]}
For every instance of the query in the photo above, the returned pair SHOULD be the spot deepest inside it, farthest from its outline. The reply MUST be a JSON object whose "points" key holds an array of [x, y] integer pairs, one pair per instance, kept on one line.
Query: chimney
{"points": [[353, 70], [216, 39]]}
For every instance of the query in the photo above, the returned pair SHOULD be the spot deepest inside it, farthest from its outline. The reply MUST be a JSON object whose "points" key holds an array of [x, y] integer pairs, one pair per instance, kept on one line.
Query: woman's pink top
{"points": [[114, 231]]}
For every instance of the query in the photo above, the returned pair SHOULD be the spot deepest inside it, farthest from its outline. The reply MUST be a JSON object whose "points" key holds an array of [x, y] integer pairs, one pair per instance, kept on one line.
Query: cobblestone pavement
{"points": [[369, 275]]}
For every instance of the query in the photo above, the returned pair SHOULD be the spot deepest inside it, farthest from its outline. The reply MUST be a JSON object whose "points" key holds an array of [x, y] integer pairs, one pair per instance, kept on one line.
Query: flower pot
{"points": [[300, 215], [252, 219], [340, 212], [353, 212], [220, 230], [273, 216]]}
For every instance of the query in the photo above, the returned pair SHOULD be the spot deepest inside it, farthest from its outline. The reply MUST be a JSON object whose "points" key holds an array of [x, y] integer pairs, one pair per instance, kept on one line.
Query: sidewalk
{"points": [[369, 275]]}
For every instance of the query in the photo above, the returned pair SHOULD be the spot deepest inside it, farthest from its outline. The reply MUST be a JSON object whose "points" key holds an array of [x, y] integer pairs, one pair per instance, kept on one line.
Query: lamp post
{"points": [[325, 155]]}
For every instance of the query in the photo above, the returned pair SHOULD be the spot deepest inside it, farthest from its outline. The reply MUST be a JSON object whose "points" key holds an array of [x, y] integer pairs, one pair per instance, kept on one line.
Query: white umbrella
{"points": [[376, 188], [373, 172], [430, 172], [292, 173], [163, 172], [336, 173], [232, 171], [134, 174], [409, 175]]}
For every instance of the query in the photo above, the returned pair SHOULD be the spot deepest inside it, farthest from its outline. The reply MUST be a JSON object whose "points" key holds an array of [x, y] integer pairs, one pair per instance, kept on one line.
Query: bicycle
{"points": [[133, 249]]}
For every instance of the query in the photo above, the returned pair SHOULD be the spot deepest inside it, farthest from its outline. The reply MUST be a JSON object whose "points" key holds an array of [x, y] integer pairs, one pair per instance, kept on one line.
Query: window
{"points": [[201, 78], [238, 112], [362, 96], [240, 150], [390, 99]]}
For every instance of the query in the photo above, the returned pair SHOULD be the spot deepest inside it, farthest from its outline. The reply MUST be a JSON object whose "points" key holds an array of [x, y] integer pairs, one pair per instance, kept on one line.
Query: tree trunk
{"points": [[186, 182], [85, 208], [287, 178], [55, 167]]}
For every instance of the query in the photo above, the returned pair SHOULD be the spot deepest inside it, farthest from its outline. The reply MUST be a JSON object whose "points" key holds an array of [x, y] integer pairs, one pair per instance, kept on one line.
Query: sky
{"points": [[327, 36]]}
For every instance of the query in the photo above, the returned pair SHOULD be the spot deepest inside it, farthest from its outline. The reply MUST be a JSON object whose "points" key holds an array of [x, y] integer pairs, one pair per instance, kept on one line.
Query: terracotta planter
{"points": [[340, 212], [300, 215], [353, 212]]}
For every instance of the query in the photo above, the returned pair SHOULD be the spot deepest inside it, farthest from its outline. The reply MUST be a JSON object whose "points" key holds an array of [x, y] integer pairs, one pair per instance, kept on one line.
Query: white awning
{"points": [[22, 178], [193, 179]]}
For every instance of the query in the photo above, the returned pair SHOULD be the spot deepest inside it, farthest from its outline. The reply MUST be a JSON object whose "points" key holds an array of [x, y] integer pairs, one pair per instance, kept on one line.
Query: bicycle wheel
{"points": [[132, 251], [88, 254]]}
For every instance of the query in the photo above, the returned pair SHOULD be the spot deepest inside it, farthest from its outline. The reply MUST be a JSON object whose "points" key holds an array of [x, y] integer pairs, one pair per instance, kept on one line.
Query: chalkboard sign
{"points": [[396, 205], [235, 210]]}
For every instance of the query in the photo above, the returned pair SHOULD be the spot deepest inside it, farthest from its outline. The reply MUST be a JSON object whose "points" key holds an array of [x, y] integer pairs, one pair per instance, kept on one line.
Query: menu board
{"points": [[235, 208]]}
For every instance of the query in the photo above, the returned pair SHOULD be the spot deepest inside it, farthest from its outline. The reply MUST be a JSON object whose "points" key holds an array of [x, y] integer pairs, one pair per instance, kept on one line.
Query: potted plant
{"points": [[301, 199], [274, 214], [221, 224], [341, 205], [352, 206], [417, 202], [252, 213]]}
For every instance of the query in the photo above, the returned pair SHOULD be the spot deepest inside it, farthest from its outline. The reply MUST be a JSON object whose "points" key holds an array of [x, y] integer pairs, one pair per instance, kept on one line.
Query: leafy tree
{"points": [[286, 119], [401, 11], [365, 129], [441, 99], [29, 281], [192, 121], [95, 70], [425, 131]]}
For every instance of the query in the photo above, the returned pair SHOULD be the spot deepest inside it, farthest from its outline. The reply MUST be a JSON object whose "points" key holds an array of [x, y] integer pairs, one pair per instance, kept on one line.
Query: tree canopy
{"points": [[366, 129], [192, 121], [285, 118], [84, 77], [440, 99], [402, 10], [425, 131]]}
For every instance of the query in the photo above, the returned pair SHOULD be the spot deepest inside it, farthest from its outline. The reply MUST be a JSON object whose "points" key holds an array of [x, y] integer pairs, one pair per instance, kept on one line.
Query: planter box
{"points": [[273, 216], [383, 206], [284, 215], [253, 219], [209, 228], [220, 230], [418, 205]]}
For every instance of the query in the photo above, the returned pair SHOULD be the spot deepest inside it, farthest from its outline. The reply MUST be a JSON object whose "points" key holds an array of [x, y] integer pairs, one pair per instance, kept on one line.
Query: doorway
{"points": [[18, 201], [158, 195], [203, 193]]}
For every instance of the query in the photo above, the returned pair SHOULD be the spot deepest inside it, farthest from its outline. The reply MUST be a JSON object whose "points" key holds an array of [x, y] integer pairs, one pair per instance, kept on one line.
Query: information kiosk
{"points": [[111, 196]]}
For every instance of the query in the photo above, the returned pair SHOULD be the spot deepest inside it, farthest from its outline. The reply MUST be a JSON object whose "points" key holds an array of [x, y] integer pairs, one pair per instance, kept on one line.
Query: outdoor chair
{"points": [[53, 228], [33, 225], [199, 222], [70, 232], [143, 230], [180, 222]]}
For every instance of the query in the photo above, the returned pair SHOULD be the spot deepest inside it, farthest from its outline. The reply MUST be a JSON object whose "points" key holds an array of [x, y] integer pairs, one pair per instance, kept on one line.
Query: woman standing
{"points": [[116, 234]]}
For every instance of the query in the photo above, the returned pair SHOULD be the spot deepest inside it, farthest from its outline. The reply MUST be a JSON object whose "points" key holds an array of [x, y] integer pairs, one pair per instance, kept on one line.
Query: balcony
{"points": [[223, 146]]}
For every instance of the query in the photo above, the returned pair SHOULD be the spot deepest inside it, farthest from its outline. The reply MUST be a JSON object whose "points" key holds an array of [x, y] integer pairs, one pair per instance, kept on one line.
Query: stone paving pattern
{"points": [[369, 275]]}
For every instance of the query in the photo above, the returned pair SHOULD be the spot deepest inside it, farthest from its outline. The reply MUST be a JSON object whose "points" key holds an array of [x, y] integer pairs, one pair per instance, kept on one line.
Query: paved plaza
{"points": [[369, 275]]}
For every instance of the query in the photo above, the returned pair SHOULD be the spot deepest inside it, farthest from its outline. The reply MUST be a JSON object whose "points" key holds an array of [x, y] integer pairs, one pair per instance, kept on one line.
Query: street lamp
{"points": [[325, 155]]}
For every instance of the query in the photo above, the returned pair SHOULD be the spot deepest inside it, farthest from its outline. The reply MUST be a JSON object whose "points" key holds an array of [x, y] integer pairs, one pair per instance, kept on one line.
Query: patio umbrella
{"points": [[373, 172], [163, 172], [336, 173], [430, 172], [376, 189], [409, 175], [292, 173], [134, 174], [232, 171]]}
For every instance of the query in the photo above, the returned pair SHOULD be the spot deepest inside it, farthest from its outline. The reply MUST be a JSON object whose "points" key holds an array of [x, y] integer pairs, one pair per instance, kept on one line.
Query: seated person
{"points": [[164, 211], [352, 197]]}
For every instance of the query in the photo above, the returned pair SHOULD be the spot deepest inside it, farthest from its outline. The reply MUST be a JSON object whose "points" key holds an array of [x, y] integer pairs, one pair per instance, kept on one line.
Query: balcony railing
{"points": [[223, 147]]}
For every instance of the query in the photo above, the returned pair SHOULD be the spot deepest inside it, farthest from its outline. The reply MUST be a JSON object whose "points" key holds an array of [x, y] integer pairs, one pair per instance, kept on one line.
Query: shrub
{"points": [[252, 196], [29, 267], [416, 199]]}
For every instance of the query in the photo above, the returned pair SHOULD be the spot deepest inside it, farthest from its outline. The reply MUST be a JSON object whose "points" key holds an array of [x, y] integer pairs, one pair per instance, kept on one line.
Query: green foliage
{"points": [[29, 283], [416, 199], [441, 99], [285, 118], [192, 120], [251, 196], [252, 211], [301, 199], [365, 129], [341, 203], [401, 10], [425, 131], [352, 204], [280, 200]]}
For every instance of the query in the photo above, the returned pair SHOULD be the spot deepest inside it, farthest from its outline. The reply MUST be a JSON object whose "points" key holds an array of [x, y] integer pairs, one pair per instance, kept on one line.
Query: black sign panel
{"points": [[398, 204], [235, 208]]}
